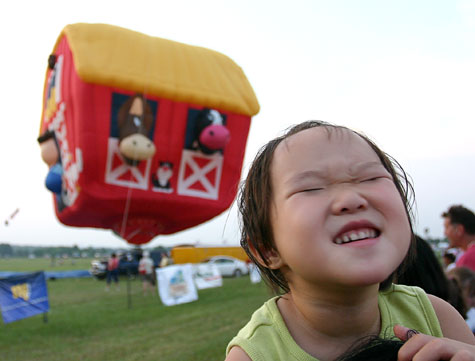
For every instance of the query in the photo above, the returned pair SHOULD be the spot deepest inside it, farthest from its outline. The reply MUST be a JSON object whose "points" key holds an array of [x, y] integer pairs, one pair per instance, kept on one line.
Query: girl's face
{"points": [[336, 215]]}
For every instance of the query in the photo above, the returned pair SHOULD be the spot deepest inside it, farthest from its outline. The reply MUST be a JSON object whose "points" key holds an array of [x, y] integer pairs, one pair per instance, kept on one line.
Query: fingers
{"points": [[426, 348], [463, 355], [420, 347], [404, 333]]}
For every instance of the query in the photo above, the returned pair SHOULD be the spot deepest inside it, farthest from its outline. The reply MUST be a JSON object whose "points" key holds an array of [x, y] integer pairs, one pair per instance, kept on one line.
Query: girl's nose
{"points": [[348, 201]]}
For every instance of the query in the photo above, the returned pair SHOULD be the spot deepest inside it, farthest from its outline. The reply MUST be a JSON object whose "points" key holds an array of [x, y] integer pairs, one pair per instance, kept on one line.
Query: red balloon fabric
{"points": [[178, 184]]}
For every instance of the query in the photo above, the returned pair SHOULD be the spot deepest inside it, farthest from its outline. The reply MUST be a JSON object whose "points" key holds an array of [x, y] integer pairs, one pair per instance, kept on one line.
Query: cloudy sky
{"points": [[401, 71]]}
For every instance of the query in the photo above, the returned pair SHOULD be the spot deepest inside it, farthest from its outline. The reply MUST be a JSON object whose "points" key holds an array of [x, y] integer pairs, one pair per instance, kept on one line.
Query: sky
{"points": [[400, 71]]}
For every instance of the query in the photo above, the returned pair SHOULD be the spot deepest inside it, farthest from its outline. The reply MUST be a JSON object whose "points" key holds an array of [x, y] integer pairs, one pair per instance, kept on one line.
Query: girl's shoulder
{"points": [[451, 322], [409, 306], [266, 327], [266, 316]]}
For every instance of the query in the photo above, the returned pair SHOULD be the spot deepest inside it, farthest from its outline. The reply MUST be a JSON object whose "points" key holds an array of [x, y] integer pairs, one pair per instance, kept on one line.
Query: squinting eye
{"points": [[371, 179], [311, 190]]}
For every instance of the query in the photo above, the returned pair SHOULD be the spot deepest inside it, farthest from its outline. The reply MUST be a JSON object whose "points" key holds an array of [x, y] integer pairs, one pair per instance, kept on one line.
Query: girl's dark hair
{"points": [[426, 272], [373, 349], [255, 197]]}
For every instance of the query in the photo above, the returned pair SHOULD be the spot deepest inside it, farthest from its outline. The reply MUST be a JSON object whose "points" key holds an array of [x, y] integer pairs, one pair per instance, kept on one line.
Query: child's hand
{"points": [[420, 347]]}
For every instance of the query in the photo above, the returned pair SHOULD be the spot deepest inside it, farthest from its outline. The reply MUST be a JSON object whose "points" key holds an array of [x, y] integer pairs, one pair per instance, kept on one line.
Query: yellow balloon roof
{"points": [[117, 57]]}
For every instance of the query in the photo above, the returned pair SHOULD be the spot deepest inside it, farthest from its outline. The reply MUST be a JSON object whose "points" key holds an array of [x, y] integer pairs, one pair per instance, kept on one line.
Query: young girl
{"points": [[326, 218]]}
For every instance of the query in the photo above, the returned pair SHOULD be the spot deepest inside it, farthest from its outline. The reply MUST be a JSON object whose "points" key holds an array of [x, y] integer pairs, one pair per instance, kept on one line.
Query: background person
{"points": [[112, 271], [459, 228], [166, 260], [465, 278], [449, 259], [146, 269]]}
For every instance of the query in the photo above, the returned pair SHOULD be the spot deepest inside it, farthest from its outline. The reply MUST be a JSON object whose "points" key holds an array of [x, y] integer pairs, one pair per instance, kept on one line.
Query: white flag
{"points": [[254, 273], [175, 284], [207, 276]]}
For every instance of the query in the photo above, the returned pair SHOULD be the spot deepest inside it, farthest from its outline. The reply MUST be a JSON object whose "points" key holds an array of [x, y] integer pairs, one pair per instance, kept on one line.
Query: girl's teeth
{"points": [[368, 233]]}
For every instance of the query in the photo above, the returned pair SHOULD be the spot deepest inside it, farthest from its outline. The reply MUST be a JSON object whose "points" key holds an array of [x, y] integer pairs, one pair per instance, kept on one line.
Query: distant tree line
{"points": [[9, 251]]}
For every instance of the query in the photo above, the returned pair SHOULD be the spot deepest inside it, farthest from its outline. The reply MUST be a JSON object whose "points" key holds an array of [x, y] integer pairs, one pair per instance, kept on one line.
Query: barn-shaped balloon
{"points": [[143, 135]]}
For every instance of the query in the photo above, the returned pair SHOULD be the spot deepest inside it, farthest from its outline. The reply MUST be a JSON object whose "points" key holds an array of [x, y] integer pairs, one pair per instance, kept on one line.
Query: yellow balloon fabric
{"points": [[117, 57]]}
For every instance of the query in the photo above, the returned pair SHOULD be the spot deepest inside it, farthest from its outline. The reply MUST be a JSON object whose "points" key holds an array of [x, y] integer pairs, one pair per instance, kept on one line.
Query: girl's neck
{"points": [[326, 324]]}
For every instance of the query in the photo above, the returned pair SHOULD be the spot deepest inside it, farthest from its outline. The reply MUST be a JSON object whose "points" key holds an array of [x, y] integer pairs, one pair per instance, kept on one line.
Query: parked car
{"points": [[128, 264], [229, 266], [99, 268]]}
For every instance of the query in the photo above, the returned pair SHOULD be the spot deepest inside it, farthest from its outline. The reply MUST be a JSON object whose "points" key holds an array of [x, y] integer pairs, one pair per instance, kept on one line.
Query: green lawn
{"points": [[87, 323], [44, 264]]}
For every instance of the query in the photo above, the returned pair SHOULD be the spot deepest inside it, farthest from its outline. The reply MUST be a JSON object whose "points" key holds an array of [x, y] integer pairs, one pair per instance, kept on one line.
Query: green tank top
{"points": [[266, 337]]}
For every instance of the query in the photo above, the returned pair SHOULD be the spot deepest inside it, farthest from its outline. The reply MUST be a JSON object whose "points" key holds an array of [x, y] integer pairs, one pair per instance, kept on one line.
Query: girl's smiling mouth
{"points": [[357, 231], [357, 235]]}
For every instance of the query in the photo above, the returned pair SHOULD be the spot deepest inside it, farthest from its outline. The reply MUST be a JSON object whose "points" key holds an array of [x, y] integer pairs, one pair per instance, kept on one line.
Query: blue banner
{"points": [[51, 274], [23, 296]]}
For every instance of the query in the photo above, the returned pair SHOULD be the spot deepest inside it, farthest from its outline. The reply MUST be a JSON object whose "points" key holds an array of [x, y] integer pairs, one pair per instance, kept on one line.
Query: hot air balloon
{"points": [[142, 135]]}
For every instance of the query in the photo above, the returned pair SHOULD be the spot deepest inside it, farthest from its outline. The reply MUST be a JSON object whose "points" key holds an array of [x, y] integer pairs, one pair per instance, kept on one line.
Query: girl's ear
{"points": [[274, 259], [272, 256]]}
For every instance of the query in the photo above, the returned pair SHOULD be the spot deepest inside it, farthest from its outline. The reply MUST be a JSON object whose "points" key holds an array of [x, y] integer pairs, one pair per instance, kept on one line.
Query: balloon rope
{"points": [[126, 212]]}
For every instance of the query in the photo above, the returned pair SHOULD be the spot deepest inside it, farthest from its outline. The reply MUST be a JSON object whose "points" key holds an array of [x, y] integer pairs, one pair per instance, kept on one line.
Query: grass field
{"points": [[87, 323], [43, 264]]}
